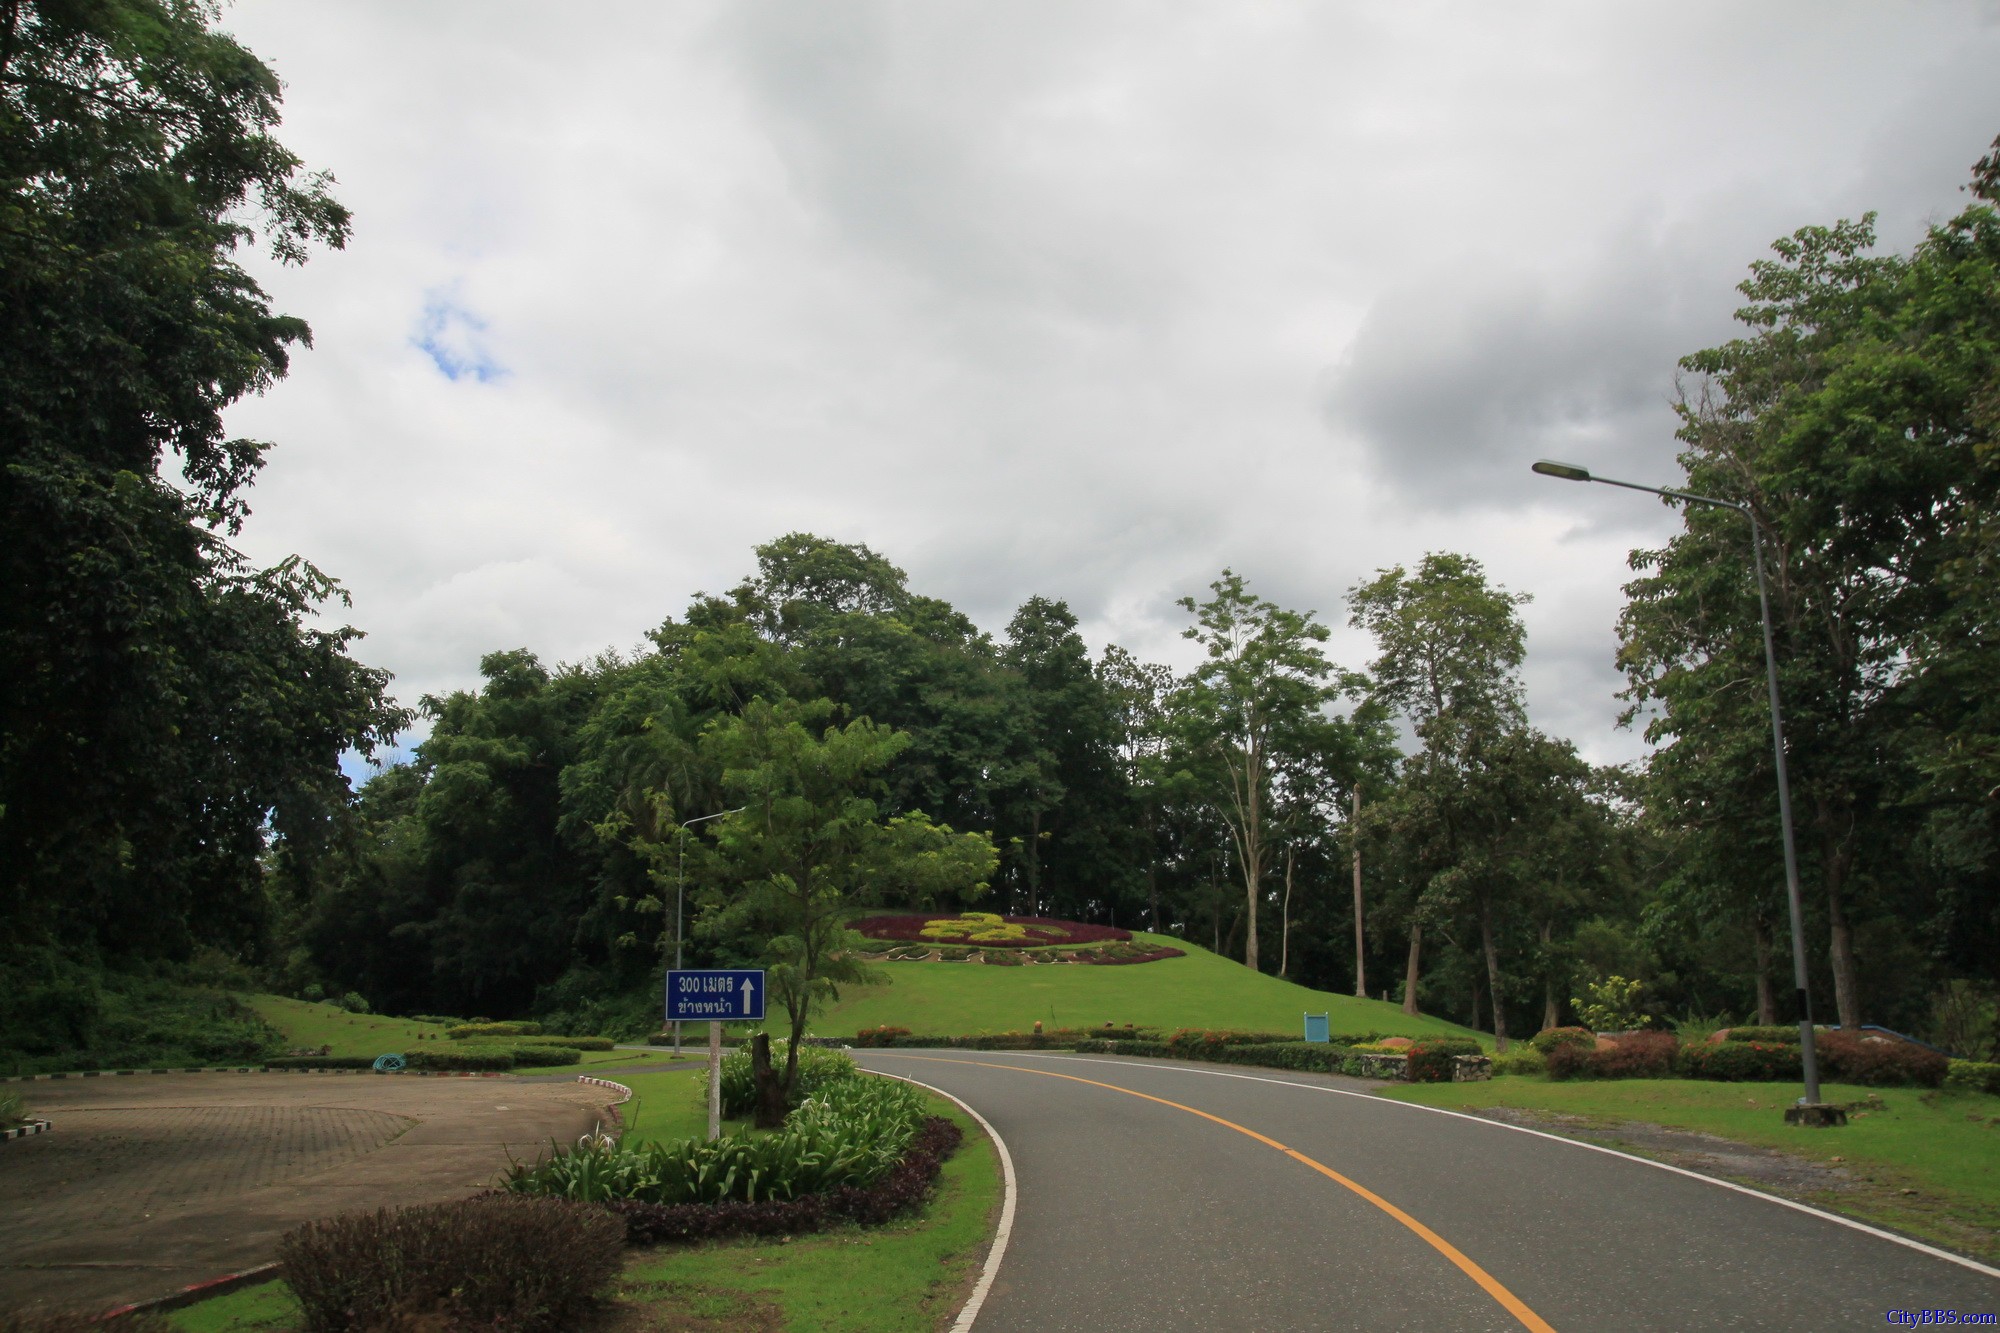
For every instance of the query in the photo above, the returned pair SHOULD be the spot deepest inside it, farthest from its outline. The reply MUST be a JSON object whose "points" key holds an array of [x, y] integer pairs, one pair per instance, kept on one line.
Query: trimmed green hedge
{"points": [[1742, 1061], [580, 1043], [467, 1030], [447, 1061], [1432, 1061], [535, 1056], [1973, 1076], [1773, 1033], [1549, 1038]]}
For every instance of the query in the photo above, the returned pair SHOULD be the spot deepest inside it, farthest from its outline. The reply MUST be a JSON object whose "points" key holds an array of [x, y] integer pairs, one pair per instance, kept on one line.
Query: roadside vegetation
{"points": [[902, 1274]]}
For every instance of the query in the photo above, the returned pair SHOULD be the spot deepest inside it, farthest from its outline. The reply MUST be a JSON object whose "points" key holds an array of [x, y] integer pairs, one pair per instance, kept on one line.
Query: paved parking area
{"points": [[149, 1183]]}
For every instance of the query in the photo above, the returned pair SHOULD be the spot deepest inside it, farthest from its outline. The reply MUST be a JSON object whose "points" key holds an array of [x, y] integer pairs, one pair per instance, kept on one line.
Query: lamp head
{"points": [[1567, 471]]}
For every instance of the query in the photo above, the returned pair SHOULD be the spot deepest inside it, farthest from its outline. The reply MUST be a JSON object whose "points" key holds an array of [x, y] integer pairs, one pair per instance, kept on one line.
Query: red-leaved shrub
{"points": [[1878, 1062], [1634, 1055]]}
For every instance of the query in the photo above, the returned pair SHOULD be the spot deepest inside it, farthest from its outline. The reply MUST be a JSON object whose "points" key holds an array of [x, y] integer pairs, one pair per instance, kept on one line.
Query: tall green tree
{"points": [[168, 707], [810, 841], [1258, 695]]}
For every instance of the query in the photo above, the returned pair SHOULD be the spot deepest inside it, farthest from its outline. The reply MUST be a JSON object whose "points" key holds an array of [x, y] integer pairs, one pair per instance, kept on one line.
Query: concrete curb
{"points": [[607, 1083], [22, 1131], [197, 1291]]}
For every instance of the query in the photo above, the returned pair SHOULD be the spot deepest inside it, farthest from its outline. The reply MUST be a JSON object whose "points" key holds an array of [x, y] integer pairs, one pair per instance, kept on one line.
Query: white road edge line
{"points": [[963, 1323], [1370, 1097]]}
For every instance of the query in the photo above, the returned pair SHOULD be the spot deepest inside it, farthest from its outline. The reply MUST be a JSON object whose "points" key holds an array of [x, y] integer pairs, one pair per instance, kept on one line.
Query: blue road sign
{"points": [[1316, 1027], [713, 994]]}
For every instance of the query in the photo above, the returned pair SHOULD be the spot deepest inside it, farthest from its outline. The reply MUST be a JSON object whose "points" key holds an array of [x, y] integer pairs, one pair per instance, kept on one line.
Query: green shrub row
{"points": [[465, 1030], [577, 1043], [1973, 1076], [1053, 1039], [528, 1265], [818, 1068], [1428, 1061], [849, 1133], [1549, 1038], [321, 1062]]}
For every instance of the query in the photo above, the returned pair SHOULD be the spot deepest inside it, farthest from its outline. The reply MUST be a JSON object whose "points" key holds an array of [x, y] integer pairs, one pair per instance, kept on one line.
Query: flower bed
{"points": [[987, 930]]}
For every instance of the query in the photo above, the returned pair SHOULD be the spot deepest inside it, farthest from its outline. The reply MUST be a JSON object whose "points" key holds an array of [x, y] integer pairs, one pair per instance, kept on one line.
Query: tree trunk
{"points": [[1551, 1006], [1035, 864], [1360, 949], [1253, 876], [1760, 939], [1285, 918], [1411, 969], [1152, 876], [1474, 1022], [1846, 985], [1493, 984], [770, 1092]]}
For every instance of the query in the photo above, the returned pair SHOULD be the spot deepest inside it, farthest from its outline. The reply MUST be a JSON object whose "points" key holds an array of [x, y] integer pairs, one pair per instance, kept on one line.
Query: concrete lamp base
{"points": [[1815, 1115]]}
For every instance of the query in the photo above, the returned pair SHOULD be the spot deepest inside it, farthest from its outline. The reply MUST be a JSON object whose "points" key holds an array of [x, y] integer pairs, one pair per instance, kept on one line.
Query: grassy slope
{"points": [[1201, 990], [315, 1025], [1943, 1145], [899, 1278]]}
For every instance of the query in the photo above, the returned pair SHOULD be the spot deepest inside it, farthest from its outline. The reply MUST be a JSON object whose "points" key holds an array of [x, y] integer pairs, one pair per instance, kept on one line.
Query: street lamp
{"points": [[680, 890], [1810, 1110]]}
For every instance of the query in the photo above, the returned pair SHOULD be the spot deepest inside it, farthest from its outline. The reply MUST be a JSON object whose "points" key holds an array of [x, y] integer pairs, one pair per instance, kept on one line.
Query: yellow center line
{"points": [[1492, 1286]]}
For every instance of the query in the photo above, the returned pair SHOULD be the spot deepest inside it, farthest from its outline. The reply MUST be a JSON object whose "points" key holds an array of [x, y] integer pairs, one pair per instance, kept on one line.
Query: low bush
{"points": [[444, 1060], [1973, 1076], [354, 1002], [467, 1030], [1433, 1059], [1879, 1062], [538, 1056], [1521, 1060], [1634, 1055], [444, 1020], [1005, 958], [497, 1261], [1549, 1038], [905, 1186], [1787, 1035], [1741, 1061], [582, 1043], [321, 1062], [818, 1067], [883, 1035], [1193, 1042], [850, 1133], [12, 1109]]}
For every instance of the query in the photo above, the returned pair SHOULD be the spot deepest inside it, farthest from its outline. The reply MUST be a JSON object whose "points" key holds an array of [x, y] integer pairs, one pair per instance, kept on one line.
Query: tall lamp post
{"points": [[1810, 1109], [680, 891]]}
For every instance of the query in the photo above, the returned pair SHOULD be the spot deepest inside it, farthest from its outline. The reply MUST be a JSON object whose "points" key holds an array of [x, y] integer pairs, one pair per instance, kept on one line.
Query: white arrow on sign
{"points": [[749, 994]]}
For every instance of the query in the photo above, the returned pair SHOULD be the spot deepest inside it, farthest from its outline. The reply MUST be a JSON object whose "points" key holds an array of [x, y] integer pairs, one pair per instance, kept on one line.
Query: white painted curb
{"points": [[963, 1323]]}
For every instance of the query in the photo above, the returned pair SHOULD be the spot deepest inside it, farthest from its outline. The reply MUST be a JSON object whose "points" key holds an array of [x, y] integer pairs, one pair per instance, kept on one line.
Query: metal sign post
{"points": [[715, 994]]}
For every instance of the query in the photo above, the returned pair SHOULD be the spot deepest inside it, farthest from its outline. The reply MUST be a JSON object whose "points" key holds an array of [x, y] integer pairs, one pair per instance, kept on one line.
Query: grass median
{"points": [[1922, 1161], [908, 1276]]}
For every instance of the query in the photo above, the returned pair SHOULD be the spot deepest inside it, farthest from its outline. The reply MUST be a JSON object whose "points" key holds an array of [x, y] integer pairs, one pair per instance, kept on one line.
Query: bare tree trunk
{"points": [[1035, 864], [770, 1091], [1253, 857], [1360, 942], [1152, 872], [1551, 1007], [1412, 968], [1493, 983], [1475, 1024], [1760, 939], [1285, 918], [1846, 982]]}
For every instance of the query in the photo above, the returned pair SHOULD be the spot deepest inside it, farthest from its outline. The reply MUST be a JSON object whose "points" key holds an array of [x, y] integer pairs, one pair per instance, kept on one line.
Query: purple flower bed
{"points": [[1041, 932], [906, 1186]]}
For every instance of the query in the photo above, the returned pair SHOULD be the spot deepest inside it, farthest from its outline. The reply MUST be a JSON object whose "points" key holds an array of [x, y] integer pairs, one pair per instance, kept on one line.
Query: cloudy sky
{"points": [[1085, 300]]}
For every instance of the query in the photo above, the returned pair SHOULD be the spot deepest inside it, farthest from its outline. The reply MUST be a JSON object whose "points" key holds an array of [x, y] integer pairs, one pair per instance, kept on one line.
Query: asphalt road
{"points": [[1134, 1213]]}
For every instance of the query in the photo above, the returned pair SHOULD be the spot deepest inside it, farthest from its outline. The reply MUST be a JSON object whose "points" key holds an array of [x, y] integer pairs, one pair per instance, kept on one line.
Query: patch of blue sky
{"points": [[453, 337]]}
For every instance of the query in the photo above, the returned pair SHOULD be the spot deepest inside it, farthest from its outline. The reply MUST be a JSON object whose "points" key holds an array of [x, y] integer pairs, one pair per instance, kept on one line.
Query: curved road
{"points": [[1177, 1197]]}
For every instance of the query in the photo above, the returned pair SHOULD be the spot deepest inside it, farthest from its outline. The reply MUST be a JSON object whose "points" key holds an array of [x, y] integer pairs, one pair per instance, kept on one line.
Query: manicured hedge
{"points": [[321, 1062], [1053, 1039], [582, 1043], [1432, 1060], [1742, 1061], [1039, 932], [467, 1030], [447, 1061], [1772, 1033], [1878, 1062], [1973, 1076], [531, 1057], [1635, 1055], [1549, 1038]]}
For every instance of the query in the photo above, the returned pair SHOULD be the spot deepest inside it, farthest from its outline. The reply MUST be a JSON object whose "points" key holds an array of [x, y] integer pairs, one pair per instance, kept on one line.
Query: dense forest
{"points": [[172, 723]]}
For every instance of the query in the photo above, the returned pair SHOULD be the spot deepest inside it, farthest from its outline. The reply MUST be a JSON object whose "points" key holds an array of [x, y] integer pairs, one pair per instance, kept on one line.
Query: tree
{"points": [[168, 710], [1256, 696], [1450, 644], [809, 841], [1856, 421]]}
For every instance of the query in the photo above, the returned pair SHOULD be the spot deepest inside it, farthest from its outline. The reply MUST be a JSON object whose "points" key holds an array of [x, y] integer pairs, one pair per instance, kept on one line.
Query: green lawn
{"points": [[1944, 1146], [1201, 990], [310, 1026], [904, 1277]]}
